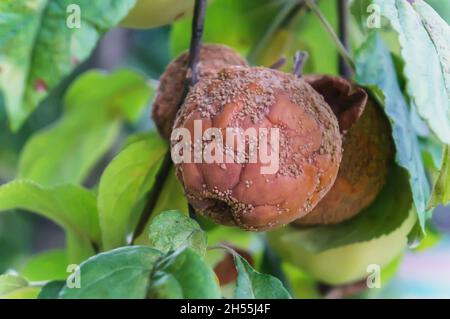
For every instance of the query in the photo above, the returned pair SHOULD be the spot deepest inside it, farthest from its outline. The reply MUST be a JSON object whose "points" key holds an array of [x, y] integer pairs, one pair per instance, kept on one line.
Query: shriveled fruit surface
{"points": [[309, 148], [367, 152], [154, 13], [213, 58]]}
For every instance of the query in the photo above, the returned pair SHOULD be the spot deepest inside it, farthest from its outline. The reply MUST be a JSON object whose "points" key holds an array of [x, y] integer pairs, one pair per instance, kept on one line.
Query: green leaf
{"points": [[171, 198], [433, 237], [376, 70], [185, 275], [72, 207], [439, 32], [139, 272], [441, 191], [126, 180], [124, 93], [52, 289], [301, 34], [432, 153], [50, 265], [251, 18], [254, 285], [172, 230], [10, 283], [308, 30], [78, 248], [442, 7], [90, 125], [38, 48], [12, 247], [303, 286], [120, 273], [16, 287], [387, 213], [165, 287], [426, 76], [271, 264]]}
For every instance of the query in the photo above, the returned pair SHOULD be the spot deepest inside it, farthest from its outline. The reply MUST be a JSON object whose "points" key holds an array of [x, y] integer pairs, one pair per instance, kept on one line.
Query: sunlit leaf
{"points": [[439, 32], [72, 207], [376, 70], [441, 191], [172, 230], [49, 265], [139, 272], [126, 181], [254, 285], [16, 287], [39, 47], [387, 213], [96, 104], [52, 289], [121, 273], [185, 275], [426, 76], [251, 19]]}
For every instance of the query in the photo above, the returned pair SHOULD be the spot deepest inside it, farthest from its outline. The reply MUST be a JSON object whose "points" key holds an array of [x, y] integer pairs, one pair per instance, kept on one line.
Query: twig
{"points": [[192, 213], [196, 40], [299, 62], [286, 13], [343, 11], [163, 172], [279, 63], [342, 50]]}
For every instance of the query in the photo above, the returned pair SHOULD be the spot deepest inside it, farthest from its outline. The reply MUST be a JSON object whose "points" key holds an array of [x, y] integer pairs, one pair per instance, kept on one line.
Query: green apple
{"points": [[344, 264], [154, 13]]}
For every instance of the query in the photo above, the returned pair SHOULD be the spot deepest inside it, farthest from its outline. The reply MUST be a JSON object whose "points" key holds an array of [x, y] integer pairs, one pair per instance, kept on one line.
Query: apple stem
{"points": [[299, 62], [278, 63], [163, 172]]}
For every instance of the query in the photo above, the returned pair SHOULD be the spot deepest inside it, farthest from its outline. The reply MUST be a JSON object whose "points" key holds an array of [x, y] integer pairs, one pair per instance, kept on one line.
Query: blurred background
{"points": [[422, 274]]}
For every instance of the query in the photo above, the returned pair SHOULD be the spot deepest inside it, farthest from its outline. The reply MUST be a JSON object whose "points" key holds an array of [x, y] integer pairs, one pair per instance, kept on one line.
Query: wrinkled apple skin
{"points": [[213, 58], [344, 264], [367, 151], [155, 13], [239, 194]]}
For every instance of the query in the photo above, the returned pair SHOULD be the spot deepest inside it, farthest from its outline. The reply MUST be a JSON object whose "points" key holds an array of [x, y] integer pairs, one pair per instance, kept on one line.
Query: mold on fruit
{"points": [[367, 152], [213, 58], [309, 147]]}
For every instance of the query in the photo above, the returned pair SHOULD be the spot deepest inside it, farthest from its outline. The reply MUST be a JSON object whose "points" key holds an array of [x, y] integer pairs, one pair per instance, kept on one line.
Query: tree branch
{"points": [[198, 25], [287, 12], [192, 78], [340, 47], [343, 12]]}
